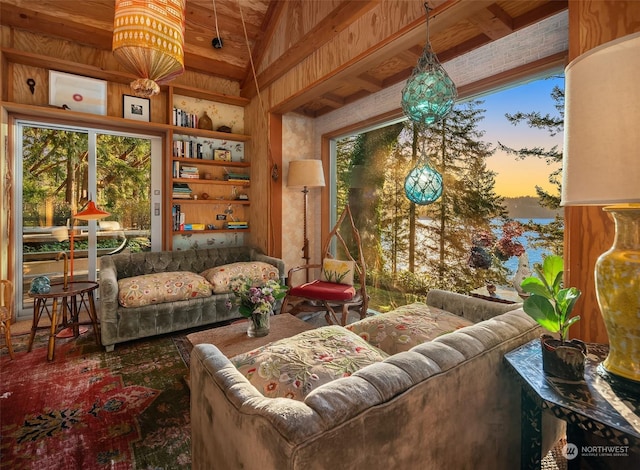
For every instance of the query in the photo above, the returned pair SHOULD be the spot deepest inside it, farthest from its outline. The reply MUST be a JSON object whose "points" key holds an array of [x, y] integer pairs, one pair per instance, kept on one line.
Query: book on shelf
{"points": [[237, 224], [236, 176], [181, 191], [182, 118], [176, 216], [187, 149], [181, 188], [193, 227]]}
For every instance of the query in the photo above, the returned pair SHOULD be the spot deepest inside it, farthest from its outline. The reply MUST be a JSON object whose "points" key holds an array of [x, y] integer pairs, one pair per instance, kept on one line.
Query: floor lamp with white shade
{"points": [[306, 174]]}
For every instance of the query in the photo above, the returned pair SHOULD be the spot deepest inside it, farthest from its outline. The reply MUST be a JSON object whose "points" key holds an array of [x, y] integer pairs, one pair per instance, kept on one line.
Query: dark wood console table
{"points": [[592, 407]]}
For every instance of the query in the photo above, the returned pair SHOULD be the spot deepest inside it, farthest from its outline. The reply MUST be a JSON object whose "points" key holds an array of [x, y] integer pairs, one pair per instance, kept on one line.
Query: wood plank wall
{"points": [[588, 230]]}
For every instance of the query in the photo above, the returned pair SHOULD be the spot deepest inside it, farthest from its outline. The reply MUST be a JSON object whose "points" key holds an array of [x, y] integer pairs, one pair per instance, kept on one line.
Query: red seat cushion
{"points": [[321, 290]]}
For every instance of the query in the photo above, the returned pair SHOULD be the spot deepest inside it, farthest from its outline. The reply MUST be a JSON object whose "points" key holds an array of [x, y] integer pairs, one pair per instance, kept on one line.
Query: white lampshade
{"points": [[305, 173], [601, 159]]}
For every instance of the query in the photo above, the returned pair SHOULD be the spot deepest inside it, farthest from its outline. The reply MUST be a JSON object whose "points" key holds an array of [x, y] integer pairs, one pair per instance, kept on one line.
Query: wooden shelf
{"points": [[212, 201], [210, 95], [214, 182], [195, 132], [38, 60], [200, 161], [218, 230], [58, 115]]}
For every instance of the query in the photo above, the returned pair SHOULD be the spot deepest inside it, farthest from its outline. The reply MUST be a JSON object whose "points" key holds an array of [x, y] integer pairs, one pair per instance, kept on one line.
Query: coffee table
{"points": [[232, 339]]}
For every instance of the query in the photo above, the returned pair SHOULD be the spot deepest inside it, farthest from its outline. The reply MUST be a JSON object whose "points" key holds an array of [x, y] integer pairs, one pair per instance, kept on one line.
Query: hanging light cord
{"points": [[274, 169], [215, 16], [253, 69], [428, 9]]}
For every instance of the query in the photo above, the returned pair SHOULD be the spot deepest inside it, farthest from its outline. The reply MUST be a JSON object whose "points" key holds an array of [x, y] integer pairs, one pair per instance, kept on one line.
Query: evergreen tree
{"points": [[55, 169], [378, 163], [469, 201], [368, 162], [550, 236]]}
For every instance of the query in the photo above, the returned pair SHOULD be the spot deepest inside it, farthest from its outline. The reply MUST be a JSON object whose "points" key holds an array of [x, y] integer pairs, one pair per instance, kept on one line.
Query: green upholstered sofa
{"points": [[447, 403], [119, 324]]}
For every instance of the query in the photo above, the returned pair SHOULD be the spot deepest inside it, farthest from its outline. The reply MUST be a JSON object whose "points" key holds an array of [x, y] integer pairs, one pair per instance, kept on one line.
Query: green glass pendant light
{"points": [[423, 185], [429, 94]]}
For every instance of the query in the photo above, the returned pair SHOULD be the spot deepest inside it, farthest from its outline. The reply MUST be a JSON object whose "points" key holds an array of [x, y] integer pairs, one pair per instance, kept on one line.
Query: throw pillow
{"points": [[407, 326], [158, 288], [293, 367], [220, 277], [335, 270]]}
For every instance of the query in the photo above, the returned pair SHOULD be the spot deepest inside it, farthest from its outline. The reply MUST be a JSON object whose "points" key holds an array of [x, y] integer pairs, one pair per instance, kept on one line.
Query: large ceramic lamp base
{"points": [[618, 290]]}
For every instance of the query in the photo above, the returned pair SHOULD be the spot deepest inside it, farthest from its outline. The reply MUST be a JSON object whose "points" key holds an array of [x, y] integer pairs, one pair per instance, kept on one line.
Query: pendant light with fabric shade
{"points": [[148, 40]]}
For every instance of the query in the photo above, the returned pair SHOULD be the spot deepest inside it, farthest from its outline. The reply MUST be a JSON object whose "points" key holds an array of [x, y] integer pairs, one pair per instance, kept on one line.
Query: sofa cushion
{"points": [[293, 367], [338, 271], [322, 290], [220, 277], [158, 288], [407, 326]]}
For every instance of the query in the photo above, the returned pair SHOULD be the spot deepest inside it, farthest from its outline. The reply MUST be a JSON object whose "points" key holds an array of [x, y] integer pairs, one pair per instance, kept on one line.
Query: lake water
{"points": [[535, 254]]}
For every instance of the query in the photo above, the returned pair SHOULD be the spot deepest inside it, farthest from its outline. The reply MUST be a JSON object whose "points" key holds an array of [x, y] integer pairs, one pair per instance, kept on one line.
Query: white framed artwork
{"points": [[76, 93], [134, 107]]}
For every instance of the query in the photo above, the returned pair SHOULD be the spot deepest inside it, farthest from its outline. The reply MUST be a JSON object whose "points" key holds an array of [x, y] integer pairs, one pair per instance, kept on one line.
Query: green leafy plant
{"points": [[549, 303]]}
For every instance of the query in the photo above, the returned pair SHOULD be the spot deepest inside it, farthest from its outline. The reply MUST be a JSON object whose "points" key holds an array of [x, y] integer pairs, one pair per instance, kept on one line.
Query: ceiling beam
{"points": [[336, 21], [42, 23], [269, 25], [493, 21], [538, 14], [366, 81], [445, 15], [332, 101]]}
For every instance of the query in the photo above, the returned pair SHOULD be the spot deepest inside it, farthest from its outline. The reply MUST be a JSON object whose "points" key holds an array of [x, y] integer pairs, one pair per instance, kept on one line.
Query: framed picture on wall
{"points": [[134, 107], [77, 93]]}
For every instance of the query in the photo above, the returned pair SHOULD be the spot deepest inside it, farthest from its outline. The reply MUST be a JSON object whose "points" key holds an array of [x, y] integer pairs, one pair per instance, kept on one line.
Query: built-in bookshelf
{"points": [[209, 172], [210, 176]]}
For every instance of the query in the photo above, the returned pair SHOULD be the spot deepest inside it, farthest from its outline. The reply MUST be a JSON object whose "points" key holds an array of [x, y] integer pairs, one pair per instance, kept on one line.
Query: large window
{"points": [[474, 234], [61, 169]]}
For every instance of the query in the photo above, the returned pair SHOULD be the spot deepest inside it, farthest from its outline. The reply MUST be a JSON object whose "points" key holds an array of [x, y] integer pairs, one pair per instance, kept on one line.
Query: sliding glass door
{"points": [[62, 170]]}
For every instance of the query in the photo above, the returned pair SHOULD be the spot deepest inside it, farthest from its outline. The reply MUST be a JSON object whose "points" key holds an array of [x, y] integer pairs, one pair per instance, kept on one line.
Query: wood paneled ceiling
{"points": [[463, 26]]}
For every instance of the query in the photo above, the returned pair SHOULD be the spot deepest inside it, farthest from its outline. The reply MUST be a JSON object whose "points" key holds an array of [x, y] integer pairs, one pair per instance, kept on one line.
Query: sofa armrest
{"points": [[472, 308], [108, 298]]}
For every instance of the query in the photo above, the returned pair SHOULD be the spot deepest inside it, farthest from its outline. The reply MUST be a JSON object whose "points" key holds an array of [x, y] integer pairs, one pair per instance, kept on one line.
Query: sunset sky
{"points": [[520, 177]]}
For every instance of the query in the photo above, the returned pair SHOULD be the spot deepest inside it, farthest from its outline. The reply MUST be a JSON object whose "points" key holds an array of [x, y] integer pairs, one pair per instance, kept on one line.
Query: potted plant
{"points": [[550, 304]]}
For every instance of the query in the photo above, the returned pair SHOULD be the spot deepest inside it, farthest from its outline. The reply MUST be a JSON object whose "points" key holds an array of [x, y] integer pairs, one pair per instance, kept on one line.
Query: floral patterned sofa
{"points": [[423, 386], [146, 294]]}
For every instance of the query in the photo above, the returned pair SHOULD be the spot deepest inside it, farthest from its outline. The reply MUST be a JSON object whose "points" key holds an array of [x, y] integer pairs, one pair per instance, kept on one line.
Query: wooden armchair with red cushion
{"points": [[341, 285]]}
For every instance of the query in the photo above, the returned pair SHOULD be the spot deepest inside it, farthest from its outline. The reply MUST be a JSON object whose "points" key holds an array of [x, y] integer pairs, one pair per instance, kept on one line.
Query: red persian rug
{"points": [[88, 409]]}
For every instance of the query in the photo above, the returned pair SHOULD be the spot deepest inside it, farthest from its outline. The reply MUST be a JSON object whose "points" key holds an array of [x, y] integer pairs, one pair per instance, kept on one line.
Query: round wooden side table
{"points": [[72, 299]]}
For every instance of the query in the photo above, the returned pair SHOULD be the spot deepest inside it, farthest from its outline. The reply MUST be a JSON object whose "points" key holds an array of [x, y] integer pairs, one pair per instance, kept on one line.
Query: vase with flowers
{"points": [[488, 250], [256, 302]]}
